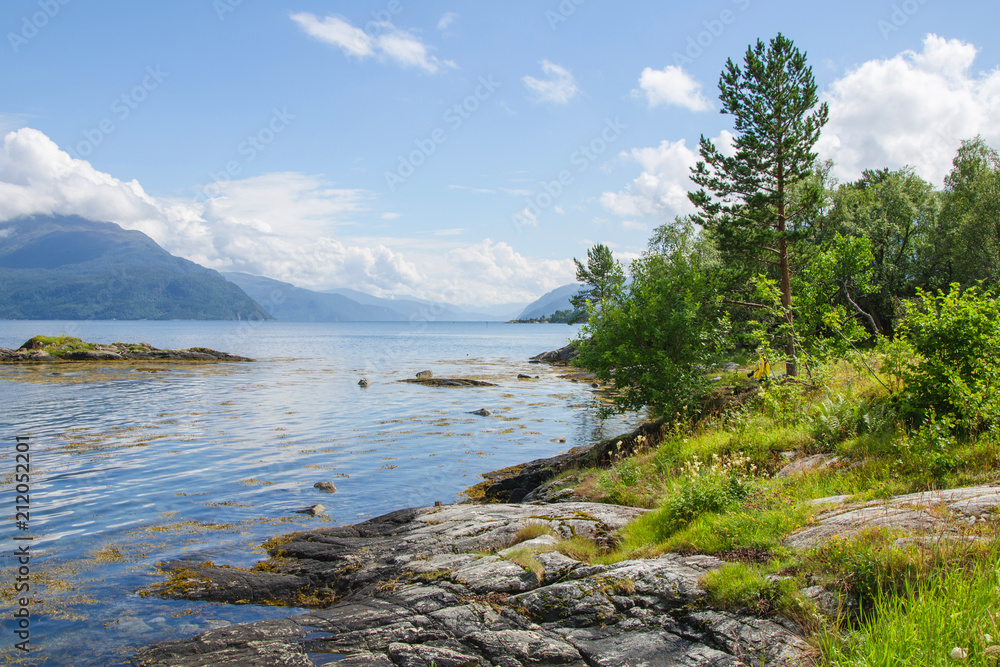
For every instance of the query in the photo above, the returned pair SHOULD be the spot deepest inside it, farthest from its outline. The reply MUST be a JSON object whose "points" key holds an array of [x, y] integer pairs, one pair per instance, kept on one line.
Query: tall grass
{"points": [[953, 609]]}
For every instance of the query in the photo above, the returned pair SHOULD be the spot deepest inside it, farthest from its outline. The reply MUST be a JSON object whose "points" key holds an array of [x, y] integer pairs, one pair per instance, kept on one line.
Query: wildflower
{"points": [[988, 639], [992, 651], [959, 654]]}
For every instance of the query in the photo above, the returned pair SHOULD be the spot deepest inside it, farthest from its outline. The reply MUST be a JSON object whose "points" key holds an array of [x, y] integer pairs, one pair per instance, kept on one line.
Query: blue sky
{"points": [[463, 152]]}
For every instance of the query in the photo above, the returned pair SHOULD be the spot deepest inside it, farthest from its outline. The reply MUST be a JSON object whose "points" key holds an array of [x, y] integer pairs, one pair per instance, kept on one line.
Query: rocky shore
{"points": [[453, 586], [484, 584], [43, 349]]}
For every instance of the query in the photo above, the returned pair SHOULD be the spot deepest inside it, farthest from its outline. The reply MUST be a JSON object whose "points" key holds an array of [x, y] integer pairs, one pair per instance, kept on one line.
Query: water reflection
{"points": [[132, 467]]}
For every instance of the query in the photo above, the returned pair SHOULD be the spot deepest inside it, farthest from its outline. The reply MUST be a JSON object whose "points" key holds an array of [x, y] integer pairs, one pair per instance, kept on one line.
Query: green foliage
{"points": [[759, 201], [955, 337], [967, 241], [604, 276], [713, 488], [896, 213], [652, 340], [735, 586], [919, 602]]}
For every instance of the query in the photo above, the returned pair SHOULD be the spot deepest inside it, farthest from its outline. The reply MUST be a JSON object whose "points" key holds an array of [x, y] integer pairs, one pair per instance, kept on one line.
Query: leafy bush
{"points": [[956, 337], [653, 339], [717, 487]]}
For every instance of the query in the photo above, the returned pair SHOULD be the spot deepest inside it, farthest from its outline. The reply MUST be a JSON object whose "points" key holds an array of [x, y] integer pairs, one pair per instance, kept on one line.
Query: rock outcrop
{"points": [[43, 349], [443, 586], [945, 514], [562, 355], [528, 481]]}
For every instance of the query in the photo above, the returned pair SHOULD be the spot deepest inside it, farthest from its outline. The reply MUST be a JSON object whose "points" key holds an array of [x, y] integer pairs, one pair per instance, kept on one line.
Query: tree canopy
{"points": [[758, 198]]}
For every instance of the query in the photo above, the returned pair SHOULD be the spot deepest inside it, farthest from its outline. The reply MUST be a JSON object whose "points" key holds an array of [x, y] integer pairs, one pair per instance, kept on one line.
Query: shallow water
{"points": [[140, 463]]}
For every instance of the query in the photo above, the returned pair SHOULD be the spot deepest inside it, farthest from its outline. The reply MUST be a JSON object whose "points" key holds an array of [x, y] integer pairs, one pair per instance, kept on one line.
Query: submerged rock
{"points": [[312, 510], [449, 382]]}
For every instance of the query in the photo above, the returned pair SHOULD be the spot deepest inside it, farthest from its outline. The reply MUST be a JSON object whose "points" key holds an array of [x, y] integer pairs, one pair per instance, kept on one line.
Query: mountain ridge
{"points": [[72, 268]]}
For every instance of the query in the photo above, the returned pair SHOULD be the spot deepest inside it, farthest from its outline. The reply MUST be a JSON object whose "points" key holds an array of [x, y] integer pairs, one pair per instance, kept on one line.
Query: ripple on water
{"points": [[132, 468]]}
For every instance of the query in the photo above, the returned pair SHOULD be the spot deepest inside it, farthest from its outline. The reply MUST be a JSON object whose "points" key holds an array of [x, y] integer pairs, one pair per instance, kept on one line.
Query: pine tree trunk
{"points": [[791, 369]]}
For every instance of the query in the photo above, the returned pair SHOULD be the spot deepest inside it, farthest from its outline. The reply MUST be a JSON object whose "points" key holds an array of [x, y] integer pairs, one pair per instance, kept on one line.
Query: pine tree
{"points": [[758, 201], [602, 273]]}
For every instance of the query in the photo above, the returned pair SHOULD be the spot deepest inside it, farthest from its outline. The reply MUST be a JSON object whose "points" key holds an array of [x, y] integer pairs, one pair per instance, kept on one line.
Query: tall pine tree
{"points": [[758, 201]]}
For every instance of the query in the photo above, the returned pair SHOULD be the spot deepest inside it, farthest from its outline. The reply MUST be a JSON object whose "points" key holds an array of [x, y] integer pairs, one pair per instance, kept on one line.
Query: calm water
{"points": [[140, 464]]}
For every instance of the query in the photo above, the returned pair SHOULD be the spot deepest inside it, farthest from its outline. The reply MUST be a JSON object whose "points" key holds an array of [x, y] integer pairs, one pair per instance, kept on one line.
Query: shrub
{"points": [[956, 337], [717, 487]]}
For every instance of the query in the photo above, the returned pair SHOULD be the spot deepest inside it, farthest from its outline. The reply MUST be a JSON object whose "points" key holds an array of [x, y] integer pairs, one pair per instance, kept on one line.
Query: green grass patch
{"points": [[925, 623]]}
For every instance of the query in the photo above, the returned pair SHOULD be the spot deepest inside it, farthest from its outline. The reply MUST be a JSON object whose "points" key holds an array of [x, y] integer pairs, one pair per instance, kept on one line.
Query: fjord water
{"points": [[137, 464]]}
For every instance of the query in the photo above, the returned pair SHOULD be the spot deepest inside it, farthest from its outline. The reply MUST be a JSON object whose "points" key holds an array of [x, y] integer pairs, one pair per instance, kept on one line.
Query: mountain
{"points": [[289, 303], [69, 268], [418, 309], [557, 299]]}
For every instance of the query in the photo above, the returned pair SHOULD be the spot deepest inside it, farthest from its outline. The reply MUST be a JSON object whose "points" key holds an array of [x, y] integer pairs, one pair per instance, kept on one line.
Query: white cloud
{"points": [[672, 86], [386, 43], [559, 88], [913, 109], [278, 225], [337, 31], [446, 20], [391, 216], [501, 275], [660, 191]]}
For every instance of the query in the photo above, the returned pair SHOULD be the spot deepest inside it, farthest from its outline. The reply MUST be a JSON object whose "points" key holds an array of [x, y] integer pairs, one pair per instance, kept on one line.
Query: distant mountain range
{"points": [[412, 308], [557, 299], [69, 268], [288, 303]]}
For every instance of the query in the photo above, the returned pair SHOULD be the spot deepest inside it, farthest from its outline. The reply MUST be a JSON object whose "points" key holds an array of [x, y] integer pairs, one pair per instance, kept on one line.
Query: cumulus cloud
{"points": [[660, 191], [559, 88], [672, 86], [500, 274], [278, 225], [912, 109], [385, 41]]}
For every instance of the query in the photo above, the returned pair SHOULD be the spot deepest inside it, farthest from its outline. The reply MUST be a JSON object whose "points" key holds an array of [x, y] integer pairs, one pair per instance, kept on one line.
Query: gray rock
{"points": [[561, 356], [312, 510], [936, 513], [409, 588], [810, 463]]}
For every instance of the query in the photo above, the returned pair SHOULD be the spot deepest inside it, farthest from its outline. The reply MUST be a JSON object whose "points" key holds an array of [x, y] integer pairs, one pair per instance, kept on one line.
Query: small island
{"points": [[47, 349]]}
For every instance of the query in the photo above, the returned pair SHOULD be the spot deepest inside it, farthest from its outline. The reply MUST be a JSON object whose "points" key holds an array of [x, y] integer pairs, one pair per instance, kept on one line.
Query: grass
{"points": [[954, 608], [711, 488]]}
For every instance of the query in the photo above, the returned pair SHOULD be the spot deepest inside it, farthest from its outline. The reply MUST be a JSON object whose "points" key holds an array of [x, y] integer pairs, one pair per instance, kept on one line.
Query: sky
{"points": [[462, 152]]}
